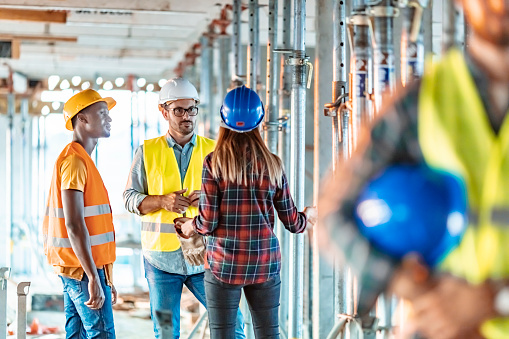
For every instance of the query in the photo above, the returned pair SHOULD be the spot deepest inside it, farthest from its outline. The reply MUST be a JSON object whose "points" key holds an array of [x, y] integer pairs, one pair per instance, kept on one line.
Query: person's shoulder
{"points": [[73, 162]]}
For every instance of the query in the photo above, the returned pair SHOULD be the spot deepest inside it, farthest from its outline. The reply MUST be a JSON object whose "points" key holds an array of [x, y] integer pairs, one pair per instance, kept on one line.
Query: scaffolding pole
{"points": [[253, 51], [9, 191], [284, 154], [382, 18], [361, 64], [271, 112], [412, 43], [206, 82], [237, 44], [299, 64]]}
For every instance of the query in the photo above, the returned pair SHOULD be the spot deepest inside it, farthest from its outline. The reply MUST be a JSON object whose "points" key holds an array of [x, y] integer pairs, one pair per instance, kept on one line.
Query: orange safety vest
{"points": [[97, 213]]}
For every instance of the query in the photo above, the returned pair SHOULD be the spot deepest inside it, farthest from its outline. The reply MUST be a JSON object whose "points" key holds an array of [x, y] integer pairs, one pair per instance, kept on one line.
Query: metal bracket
{"points": [[22, 290], [331, 109], [383, 11], [294, 61]]}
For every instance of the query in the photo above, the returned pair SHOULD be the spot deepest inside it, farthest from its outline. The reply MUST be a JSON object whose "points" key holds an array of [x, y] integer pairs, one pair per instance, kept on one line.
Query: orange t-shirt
{"points": [[73, 172]]}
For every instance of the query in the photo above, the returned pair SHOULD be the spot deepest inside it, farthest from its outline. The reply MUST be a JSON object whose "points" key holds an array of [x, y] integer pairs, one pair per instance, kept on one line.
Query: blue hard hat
{"points": [[242, 110], [413, 208]]}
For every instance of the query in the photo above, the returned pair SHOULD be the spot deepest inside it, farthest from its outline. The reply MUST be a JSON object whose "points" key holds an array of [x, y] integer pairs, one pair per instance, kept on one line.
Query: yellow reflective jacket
{"points": [[163, 177], [455, 135]]}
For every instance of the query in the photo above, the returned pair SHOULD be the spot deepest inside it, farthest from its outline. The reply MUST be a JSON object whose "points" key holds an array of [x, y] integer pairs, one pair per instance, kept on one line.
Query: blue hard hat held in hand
{"points": [[242, 110], [413, 209]]}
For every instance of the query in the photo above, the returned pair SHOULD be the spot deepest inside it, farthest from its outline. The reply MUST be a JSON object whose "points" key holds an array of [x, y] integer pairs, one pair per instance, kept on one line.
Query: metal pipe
{"points": [[210, 67], [22, 291], [205, 81], [360, 67], [271, 98], [298, 107], [236, 40], [197, 325], [412, 43], [384, 64], [4, 277], [253, 51], [224, 64], [284, 154], [9, 171], [448, 25]]}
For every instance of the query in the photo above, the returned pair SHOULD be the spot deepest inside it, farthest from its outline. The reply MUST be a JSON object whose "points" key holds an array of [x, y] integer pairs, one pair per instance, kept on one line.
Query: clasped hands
{"points": [[178, 203]]}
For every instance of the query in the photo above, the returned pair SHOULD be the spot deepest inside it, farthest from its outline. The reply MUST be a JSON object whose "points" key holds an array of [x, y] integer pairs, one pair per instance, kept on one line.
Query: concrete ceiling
{"points": [[113, 38]]}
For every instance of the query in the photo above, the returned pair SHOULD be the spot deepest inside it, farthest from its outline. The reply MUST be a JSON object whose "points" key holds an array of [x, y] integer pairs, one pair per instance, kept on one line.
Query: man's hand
{"points": [[184, 227], [194, 198], [96, 293], [114, 295], [175, 202], [444, 307]]}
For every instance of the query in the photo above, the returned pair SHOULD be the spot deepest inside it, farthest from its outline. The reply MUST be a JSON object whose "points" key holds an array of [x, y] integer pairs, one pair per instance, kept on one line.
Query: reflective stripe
{"points": [[498, 215], [95, 240], [157, 227], [89, 211]]}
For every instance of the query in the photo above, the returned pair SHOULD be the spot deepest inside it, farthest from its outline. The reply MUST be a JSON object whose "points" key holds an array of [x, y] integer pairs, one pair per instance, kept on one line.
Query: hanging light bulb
{"points": [[99, 80], [150, 87], [76, 80], [65, 84], [108, 86], [55, 105], [119, 82], [161, 82], [53, 81], [85, 85], [141, 82], [45, 110]]}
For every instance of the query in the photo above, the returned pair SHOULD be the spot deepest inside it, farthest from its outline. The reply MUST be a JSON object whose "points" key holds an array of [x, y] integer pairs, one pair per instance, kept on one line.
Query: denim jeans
{"points": [[165, 293], [262, 299], [81, 321]]}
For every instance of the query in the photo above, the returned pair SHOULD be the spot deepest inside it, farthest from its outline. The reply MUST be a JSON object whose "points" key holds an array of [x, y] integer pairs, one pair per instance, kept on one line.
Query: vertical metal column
{"points": [[412, 43], [236, 42], [9, 155], [253, 51], [206, 81], [4, 276], [224, 63], [22, 290], [361, 61], [323, 282], [448, 24], [298, 107], [284, 154], [271, 112], [384, 65]]}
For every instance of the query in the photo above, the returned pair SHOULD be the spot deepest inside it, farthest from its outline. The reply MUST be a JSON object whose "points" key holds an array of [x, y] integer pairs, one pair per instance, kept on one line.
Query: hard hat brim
{"points": [[108, 100]]}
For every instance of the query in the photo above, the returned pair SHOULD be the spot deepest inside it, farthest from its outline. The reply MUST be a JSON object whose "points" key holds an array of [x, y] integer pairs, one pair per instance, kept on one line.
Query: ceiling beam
{"points": [[38, 38], [33, 15], [117, 5]]}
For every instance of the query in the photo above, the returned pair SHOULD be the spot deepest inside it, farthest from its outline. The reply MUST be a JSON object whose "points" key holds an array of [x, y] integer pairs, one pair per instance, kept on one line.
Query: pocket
{"points": [[73, 287]]}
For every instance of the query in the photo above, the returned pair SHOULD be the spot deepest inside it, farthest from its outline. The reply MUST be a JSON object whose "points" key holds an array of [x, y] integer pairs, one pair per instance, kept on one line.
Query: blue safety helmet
{"points": [[413, 208], [242, 110]]}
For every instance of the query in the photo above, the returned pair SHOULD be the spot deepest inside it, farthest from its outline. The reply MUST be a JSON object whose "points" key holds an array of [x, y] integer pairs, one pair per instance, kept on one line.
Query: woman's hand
{"points": [[188, 228], [311, 214]]}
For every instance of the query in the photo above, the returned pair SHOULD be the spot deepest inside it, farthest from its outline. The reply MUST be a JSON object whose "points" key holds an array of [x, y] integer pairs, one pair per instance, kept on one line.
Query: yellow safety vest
{"points": [[455, 135], [163, 177]]}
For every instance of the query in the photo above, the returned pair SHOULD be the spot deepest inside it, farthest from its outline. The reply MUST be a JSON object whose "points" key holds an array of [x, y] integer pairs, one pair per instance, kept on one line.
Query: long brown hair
{"points": [[235, 152]]}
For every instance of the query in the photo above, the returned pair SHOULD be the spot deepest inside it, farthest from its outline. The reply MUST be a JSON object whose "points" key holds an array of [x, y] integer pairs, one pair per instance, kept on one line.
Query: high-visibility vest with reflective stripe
{"points": [[163, 177], [455, 134], [97, 215]]}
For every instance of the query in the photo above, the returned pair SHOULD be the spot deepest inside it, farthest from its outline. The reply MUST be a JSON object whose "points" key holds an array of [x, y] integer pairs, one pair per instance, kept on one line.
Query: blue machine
{"points": [[413, 208]]}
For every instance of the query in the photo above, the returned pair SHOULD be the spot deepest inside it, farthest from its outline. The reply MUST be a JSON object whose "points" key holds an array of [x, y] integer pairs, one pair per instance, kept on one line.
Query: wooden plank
{"points": [[32, 15], [39, 38]]}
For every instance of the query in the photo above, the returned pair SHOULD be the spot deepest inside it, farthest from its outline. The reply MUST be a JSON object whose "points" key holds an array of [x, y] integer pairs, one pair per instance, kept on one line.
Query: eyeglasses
{"points": [[180, 111]]}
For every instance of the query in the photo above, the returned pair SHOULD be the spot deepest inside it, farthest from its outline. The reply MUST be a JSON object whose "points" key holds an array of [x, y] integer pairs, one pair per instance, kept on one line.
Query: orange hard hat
{"points": [[82, 100]]}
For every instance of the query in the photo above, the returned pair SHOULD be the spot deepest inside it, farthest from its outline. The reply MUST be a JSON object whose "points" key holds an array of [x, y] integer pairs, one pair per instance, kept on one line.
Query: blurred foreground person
{"points": [[79, 237], [452, 120]]}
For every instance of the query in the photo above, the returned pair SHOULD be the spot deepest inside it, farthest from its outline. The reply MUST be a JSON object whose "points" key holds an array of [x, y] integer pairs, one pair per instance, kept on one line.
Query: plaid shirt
{"points": [[239, 222], [393, 138]]}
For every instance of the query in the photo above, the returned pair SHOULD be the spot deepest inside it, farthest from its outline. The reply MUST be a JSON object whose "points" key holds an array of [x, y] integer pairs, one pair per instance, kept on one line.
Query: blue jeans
{"points": [[223, 298], [80, 321], [165, 292]]}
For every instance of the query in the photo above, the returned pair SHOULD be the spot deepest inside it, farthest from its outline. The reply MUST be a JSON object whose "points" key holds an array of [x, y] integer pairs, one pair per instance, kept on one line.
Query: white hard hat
{"points": [[176, 89]]}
